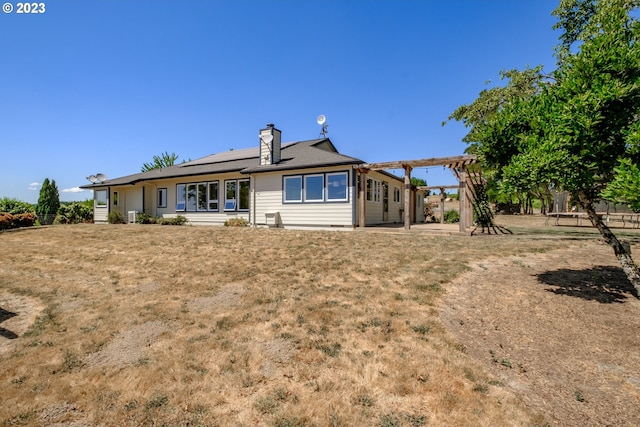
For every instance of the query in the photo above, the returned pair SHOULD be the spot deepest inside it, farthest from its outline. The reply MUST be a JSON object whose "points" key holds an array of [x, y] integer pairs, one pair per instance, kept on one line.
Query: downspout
{"points": [[252, 212]]}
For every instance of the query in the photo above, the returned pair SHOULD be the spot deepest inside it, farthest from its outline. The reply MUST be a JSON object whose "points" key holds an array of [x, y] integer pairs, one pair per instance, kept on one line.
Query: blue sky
{"points": [[104, 85]]}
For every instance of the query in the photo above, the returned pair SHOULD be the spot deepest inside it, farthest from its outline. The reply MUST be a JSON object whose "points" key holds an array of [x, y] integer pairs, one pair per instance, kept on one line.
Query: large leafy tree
{"points": [[162, 161], [577, 128], [48, 201]]}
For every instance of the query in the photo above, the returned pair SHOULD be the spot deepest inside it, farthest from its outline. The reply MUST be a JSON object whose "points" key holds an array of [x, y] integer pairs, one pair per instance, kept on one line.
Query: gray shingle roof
{"points": [[296, 155]]}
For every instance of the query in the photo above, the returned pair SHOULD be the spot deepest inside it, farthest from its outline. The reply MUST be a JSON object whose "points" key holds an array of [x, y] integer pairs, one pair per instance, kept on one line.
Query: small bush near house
{"points": [[236, 222], [74, 213], [145, 218], [451, 217], [116, 217], [178, 220]]}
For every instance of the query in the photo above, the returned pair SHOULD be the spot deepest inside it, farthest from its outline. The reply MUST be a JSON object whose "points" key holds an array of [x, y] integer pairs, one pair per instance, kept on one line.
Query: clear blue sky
{"points": [[104, 85]]}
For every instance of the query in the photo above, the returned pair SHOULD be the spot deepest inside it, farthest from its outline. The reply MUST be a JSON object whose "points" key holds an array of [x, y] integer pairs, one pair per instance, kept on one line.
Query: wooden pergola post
{"points": [[407, 197], [442, 194], [362, 186]]}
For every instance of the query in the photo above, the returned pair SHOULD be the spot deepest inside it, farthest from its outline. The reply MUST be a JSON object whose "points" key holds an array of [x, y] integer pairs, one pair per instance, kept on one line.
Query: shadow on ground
{"points": [[601, 283], [5, 333]]}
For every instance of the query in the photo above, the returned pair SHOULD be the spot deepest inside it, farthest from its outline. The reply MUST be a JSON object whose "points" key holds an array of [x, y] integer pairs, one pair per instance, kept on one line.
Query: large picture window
{"points": [[316, 188], [193, 197]]}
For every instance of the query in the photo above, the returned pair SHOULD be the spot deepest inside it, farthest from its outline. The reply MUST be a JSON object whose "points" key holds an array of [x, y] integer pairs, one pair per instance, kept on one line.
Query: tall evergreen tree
{"points": [[48, 201]]}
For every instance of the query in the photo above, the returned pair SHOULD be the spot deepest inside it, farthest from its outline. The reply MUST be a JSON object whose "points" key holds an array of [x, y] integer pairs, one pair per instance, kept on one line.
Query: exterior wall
{"points": [[375, 207], [268, 196]]}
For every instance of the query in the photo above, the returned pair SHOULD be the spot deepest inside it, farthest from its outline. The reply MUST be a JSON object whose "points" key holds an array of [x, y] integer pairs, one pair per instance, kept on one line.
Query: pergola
{"points": [[458, 165]]}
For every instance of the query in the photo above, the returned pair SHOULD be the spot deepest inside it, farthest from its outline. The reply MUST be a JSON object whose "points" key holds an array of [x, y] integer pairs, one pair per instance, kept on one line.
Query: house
{"points": [[304, 185]]}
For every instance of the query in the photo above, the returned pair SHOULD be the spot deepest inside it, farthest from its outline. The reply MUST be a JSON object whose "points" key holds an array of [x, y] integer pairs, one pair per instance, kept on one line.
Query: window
{"points": [[293, 188], [230, 196], [115, 198], [369, 189], [243, 197], [337, 186], [162, 197], [396, 194], [213, 196], [192, 193], [101, 198], [202, 196], [377, 191], [236, 195], [314, 188], [193, 197], [181, 197]]}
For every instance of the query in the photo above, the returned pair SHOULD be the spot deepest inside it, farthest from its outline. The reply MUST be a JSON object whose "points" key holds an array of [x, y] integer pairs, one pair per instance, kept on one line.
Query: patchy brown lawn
{"points": [[157, 325]]}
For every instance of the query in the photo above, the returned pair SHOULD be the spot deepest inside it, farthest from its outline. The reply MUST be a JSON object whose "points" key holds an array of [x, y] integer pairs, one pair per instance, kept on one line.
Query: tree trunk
{"points": [[622, 250]]}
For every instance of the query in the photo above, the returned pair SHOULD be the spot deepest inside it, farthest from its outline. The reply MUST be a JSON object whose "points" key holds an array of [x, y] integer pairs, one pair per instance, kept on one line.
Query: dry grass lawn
{"points": [[211, 326]]}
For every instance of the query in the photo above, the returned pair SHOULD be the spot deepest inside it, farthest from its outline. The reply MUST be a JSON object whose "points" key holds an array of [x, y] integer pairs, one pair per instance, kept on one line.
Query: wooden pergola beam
{"points": [[453, 161]]}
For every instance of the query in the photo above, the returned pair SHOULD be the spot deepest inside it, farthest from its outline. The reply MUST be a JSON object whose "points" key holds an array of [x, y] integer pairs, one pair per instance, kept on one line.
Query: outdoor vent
{"points": [[132, 216], [270, 145]]}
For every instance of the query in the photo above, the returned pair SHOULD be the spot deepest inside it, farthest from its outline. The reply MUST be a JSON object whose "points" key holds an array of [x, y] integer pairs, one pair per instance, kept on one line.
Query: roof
{"points": [[295, 155]]}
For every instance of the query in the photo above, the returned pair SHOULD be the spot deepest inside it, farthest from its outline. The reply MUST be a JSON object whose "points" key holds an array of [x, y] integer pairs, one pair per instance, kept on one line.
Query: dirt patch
{"points": [[129, 347], [17, 313], [228, 295], [560, 329]]}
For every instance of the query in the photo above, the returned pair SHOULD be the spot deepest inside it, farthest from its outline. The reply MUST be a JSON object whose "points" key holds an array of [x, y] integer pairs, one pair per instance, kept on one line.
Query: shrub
{"points": [[6, 221], [74, 213], [451, 217], [145, 218], [15, 206], [116, 217], [236, 222], [27, 219], [177, 220]]}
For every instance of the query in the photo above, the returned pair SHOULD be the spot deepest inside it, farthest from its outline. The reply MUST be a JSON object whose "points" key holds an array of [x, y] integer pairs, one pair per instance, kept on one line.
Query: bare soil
{"points": [[559, 329]]}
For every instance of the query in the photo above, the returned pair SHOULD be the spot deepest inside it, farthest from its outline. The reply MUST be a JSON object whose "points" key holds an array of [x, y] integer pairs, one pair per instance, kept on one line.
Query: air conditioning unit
{"points": [[132, 216]]}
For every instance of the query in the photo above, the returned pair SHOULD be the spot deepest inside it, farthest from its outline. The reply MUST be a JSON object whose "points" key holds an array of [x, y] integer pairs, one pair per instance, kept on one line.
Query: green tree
{"points": [[571, 130], [162, 161], [48, 201], [418, 182]]}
